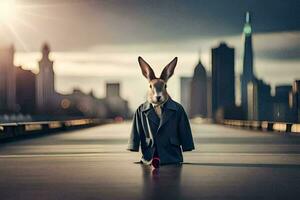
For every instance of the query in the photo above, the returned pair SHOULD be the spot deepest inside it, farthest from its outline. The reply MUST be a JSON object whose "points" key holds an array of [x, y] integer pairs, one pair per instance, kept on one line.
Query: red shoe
{"points": [[155, 162]]}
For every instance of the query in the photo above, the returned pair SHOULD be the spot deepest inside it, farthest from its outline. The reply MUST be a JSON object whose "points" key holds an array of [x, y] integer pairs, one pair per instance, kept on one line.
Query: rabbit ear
{"points": [[146, 69], [168, 70]]}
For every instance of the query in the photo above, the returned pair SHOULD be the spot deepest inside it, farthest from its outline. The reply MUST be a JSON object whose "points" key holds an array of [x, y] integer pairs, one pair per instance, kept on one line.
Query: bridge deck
{"points": [[93, 164]]}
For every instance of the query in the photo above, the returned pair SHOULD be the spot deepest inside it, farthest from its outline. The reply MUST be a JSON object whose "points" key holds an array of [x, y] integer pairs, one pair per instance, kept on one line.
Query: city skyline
{"points": [[28, 96], [276, 40], [223, 86], [67, 79]]}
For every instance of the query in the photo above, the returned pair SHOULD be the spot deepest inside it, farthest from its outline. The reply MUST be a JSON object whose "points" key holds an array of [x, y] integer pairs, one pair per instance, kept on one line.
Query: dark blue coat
{"points": [[171, 135]]}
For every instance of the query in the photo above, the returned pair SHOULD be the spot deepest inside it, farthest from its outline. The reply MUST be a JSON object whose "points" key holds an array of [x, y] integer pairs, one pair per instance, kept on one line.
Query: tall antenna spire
{"points": [[248, 17], [248, 74], [199, 51], [247, 26]]}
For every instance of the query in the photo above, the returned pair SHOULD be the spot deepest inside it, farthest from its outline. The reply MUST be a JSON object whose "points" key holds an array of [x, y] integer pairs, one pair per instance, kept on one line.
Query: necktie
{"points": [[158, 111]]}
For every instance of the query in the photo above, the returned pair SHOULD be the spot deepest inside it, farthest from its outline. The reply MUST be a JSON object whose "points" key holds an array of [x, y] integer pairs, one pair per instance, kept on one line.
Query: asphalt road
{"points": [[93, 164]]}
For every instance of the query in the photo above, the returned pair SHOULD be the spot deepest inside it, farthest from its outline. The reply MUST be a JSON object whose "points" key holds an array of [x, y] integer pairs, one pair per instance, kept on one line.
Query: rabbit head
{"points": [[157, 91]]}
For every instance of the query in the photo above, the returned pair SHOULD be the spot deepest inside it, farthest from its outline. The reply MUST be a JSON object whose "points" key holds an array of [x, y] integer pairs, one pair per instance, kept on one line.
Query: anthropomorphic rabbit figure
{"points": [[160, 125]]}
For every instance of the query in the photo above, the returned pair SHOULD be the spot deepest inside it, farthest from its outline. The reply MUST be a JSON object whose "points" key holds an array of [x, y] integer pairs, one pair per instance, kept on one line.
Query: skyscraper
{"points": [[295, 100], [45, 81], [25, 87], [209, 96], [112, 89], [223, 84], [259, 100], [7, 80], [248, 74], [282, 108], [185, 93], [198, 105], [117, 106]]}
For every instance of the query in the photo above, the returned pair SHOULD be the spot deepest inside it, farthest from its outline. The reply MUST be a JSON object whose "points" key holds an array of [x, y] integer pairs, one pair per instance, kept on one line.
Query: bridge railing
{"points": [[13, 130], [283, 127]]}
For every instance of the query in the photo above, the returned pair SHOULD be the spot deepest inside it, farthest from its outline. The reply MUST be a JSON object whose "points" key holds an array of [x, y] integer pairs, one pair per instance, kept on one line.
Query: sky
{"points": [[98, 41]]}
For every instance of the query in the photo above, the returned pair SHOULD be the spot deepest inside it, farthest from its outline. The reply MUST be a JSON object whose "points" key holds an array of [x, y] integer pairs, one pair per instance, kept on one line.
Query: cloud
{"points": [[273, 46], [70, 25], [278, 46], [122, 59]]}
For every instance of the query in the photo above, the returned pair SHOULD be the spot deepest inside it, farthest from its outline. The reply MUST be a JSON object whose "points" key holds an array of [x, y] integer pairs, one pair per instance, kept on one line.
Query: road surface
{"points": [[93, 164]]}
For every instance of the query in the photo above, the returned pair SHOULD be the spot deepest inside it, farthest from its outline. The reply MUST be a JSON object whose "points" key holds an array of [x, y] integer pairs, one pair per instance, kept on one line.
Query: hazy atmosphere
{"points": [[86, 55], [86, 113]]}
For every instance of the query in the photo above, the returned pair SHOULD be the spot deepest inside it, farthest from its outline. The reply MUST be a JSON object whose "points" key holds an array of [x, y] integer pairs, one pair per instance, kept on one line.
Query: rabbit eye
{"points": [[150, 86], [165, 86]]}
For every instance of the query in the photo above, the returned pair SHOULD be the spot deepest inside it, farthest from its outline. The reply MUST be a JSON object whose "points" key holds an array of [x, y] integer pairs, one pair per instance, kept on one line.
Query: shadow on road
{"points": [[289, 166], [157, 181]]}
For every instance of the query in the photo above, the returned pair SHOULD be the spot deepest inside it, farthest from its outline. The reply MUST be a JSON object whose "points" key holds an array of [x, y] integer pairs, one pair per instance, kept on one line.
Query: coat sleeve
{"points": [[185, 133], [134, 139]]}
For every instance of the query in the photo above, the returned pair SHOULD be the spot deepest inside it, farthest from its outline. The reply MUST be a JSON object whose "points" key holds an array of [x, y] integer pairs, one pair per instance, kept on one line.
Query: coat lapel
{"points": [[150, 113], [152, 116], [169, 109]]}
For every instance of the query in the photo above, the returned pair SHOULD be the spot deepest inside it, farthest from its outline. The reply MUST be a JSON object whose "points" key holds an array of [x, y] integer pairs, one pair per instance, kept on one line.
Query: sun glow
{"points": [[16, 16], [8, 10]]}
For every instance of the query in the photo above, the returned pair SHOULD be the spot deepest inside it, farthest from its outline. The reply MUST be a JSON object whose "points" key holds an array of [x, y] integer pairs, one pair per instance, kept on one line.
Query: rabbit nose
{"points": [[158, 98]]}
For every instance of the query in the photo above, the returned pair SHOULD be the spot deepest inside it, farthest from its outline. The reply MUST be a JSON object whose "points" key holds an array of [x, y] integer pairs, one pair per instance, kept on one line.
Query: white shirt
{"points": [[158, 108]]}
